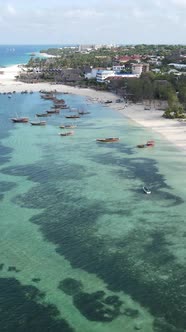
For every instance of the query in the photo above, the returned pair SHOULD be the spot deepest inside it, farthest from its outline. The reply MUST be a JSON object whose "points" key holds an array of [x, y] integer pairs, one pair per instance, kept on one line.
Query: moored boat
{"points": [[20, 120], [108, 101], [146, 190], [72, 116], [64, 106], [38, 123], [108, 139], [42, 115], [68, 133], [83, 112], [49, 96], [67, 126], [56, 111]]}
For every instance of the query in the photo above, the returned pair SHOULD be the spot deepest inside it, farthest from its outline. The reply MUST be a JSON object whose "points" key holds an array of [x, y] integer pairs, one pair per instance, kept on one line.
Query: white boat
{"points": [[146, 190]]}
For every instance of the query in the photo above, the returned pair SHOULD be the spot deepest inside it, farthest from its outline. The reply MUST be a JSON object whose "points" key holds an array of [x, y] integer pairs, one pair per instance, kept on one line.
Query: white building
{"points": [[103, 74]]}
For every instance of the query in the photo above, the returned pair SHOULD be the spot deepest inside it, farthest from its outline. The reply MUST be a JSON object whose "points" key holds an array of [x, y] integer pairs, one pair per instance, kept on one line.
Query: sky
{"points": [[93, 21]]}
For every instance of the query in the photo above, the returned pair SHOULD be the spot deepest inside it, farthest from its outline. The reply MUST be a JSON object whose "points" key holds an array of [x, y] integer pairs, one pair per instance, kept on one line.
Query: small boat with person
{"points": [[146, 190], [108, 139]]}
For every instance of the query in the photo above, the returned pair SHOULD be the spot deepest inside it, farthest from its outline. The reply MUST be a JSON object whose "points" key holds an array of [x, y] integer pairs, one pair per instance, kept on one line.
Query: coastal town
{"points": [[135, 73], [136, 79]]}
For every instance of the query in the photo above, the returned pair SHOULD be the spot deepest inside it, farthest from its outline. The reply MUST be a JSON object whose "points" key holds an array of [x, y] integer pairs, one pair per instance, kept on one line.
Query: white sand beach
{"points": [[46, 55], [172, 130], [7, 76]]}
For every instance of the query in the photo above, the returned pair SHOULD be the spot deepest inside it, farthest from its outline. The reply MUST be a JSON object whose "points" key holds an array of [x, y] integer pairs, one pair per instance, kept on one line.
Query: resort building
{"points": [[103, 74]]}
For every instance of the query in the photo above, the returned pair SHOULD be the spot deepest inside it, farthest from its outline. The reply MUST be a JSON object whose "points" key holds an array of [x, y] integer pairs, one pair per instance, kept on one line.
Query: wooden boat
{"points": [[53, 111], [68, 133], [60, 101], [146, 190], [20, 120], [72, 116], [48, 97], [64, 107], [67, 126], [42, 115], [141, 145], [108, 139], [60, 107], [38, 123]]}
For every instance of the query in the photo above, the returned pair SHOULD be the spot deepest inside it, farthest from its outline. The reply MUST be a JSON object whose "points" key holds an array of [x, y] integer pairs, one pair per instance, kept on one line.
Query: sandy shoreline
{"points": [[172, 130], [46, 55]]}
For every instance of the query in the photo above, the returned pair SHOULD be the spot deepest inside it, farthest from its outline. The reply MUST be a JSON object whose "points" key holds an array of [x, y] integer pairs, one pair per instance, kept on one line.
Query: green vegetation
{"points": [[70, 66]]}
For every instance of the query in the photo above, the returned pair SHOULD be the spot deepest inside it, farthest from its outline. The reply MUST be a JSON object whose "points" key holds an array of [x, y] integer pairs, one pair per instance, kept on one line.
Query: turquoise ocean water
{"points": [[16, 54], [82, 247]]}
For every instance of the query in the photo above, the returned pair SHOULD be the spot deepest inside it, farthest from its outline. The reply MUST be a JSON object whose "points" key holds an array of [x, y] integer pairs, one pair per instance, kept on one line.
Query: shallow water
{"points": [[75, 222], [16, 54]]}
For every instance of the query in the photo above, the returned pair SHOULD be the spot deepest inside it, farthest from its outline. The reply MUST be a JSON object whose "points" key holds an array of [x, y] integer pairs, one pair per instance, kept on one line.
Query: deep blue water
{"points": [[15, 54]]}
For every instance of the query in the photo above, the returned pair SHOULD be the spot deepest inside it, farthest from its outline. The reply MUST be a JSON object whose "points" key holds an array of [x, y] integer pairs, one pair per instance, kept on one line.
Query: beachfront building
{"points": [[103, 74]]}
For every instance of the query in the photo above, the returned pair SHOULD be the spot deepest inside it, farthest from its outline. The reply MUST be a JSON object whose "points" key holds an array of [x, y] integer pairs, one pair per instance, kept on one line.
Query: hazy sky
{"points": [[92, 21]]}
